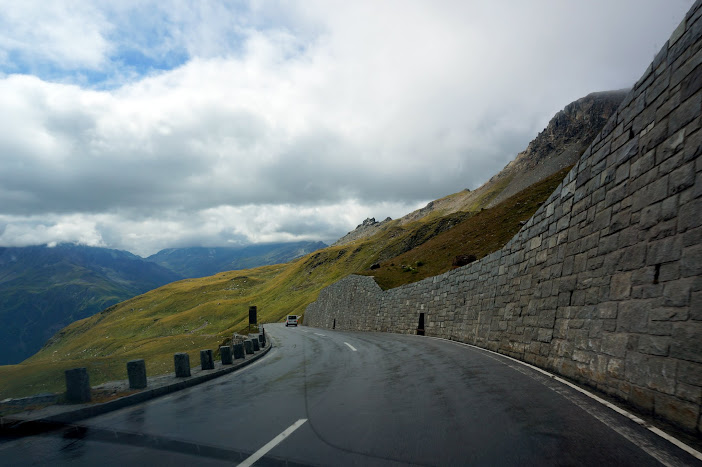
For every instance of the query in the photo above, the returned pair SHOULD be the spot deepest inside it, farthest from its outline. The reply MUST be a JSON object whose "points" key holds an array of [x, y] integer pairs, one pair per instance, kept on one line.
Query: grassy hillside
{"points": [[478, 235], [195, 314], [183, 316]]}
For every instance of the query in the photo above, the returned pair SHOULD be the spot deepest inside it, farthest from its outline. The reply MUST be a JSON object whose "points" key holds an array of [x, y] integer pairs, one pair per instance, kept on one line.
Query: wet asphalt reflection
{"points": [[367, 399]]}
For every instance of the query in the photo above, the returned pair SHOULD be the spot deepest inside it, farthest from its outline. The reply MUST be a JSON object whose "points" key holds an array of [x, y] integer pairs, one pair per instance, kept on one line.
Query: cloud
{"points": [[35, 35], [185, 123], [32, 231], [216, 226]]}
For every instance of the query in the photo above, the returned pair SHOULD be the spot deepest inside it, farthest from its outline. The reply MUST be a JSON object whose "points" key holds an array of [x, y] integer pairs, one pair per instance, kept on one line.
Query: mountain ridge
{"points": [[205, 261], [557, 146]]}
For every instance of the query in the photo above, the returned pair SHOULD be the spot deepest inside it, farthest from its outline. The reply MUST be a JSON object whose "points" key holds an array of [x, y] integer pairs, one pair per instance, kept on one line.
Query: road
{"points": [[324, 397]]}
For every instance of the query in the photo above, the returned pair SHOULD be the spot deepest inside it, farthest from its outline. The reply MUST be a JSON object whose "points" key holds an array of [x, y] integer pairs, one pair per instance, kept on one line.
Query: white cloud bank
{"points": [[148, 126]]}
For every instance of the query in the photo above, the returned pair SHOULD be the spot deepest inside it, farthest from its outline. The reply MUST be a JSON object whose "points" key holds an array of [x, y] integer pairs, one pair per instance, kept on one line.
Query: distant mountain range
{"points": [[43, 289], [201, 261]]}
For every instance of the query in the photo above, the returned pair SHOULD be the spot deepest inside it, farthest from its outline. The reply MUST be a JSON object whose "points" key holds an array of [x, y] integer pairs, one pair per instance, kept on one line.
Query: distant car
{"points": [[291, 321]]}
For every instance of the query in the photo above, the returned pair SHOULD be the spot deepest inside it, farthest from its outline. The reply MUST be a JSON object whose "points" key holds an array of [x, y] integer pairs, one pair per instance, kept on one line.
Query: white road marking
{"points": [[350, 346], [608, 404], [272, 443], [323, 335]]}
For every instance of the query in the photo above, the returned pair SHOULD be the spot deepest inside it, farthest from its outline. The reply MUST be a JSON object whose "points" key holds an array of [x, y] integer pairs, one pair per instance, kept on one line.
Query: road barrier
{"points": [[182, 365], [206, 361], [78, 381], [226, 352], [136, 371], [239, 351], [77, 385]]}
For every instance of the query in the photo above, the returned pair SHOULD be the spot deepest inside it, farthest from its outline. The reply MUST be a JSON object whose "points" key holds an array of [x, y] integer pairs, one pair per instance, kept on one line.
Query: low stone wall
{"points": [[604, 283]]}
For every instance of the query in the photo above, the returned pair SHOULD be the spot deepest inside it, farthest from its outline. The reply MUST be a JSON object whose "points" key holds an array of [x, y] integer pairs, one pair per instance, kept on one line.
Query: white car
{"points": [[291, 321]]}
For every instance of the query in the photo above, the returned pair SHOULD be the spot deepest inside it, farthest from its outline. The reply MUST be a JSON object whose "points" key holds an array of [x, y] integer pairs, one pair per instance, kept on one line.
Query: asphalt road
{"points": [[345, 398]]}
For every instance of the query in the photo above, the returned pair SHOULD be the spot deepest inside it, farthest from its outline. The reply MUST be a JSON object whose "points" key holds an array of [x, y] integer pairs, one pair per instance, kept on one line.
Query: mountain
{"points": [[193, 314], [558, 146], [43, 289], [201, 261]]}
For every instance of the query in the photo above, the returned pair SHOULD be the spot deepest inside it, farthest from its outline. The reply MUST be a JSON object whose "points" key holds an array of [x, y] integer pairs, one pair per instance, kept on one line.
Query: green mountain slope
{"points": [[43, 289], [481, 234]]}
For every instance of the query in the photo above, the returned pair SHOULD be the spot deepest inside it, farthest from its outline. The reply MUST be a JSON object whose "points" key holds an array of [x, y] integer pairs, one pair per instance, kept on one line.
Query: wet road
{"points": [[343, 398]]}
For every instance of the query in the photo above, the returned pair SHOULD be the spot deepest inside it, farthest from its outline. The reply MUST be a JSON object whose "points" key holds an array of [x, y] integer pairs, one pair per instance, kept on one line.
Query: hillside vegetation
{"points": [[43, 289], [486, 231]]}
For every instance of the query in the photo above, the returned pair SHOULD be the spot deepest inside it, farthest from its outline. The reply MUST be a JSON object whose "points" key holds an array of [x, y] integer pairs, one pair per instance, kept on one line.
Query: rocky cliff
{"points": [[559, 145], [363, 230]]}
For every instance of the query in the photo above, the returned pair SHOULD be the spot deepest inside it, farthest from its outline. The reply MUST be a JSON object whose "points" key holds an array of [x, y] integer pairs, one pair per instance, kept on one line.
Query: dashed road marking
{"points": [[272, 443], [350, 346], [323, 335]]}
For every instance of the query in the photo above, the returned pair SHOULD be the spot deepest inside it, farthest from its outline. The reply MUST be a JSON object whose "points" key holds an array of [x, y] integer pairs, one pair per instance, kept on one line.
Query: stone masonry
{"points": [[604, 283]]}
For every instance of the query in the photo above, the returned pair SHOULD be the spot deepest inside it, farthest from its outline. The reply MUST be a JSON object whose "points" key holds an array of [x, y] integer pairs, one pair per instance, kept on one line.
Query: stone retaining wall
{"points": [[603, 284]]}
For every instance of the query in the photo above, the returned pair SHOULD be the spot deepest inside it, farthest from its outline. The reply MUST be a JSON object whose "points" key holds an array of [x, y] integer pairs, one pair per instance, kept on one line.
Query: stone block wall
{"points": [[604, 283]]}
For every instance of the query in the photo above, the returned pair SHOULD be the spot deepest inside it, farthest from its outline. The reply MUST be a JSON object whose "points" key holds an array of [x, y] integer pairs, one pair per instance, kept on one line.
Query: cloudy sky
{"points": [[145, 125]]}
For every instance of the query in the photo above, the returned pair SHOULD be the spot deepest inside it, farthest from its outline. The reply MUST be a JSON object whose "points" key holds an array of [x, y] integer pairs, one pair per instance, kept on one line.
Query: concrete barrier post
{"points": [[226, 352], [136, 371], [77, 385], [248, 346], [239, 351], [256, 347], [182, 365], [262, 340], [206, 361]]}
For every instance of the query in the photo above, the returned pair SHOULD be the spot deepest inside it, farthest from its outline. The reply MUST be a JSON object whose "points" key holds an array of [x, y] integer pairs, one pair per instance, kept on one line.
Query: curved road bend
{"points": [[348, 398]]}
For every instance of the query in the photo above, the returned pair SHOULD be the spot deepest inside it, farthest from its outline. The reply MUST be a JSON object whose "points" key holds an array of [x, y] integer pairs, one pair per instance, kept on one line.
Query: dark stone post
{"points": [[262, 340], [256, 347], [248, 346], [136, 370], [226, 352], [239, 351], [206, 361], [182, 364], [77, 385]]}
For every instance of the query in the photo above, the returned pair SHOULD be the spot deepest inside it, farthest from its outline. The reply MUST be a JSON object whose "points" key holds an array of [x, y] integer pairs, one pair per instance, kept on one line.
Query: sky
{"points": [[143, 125]]}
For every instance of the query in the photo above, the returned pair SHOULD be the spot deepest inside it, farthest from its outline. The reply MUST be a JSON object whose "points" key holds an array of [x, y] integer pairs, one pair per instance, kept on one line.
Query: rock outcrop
{"points": [[365, 229], [559, 145]]}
